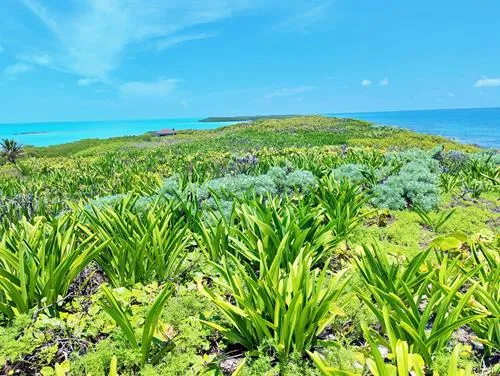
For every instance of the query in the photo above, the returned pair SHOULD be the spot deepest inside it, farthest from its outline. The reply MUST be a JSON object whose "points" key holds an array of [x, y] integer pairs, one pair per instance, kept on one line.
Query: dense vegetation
{"points": [[279, 247]]}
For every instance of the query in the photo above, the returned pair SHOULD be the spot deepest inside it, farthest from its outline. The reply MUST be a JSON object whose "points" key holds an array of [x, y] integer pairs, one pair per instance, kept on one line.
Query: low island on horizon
{"points": [[222, 119]]}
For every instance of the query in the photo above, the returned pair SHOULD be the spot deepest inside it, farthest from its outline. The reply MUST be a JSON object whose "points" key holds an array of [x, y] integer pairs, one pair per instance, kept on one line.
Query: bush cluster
{"points": [[416, 183]]}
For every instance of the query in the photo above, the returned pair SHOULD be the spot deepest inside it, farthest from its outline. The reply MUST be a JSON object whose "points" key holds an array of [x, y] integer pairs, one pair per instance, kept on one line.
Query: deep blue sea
{"points": [[475, 126], [479, 126]]}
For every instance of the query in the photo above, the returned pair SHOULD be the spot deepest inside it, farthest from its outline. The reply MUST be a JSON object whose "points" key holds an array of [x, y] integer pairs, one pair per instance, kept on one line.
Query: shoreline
{"points": [[480, 127]]}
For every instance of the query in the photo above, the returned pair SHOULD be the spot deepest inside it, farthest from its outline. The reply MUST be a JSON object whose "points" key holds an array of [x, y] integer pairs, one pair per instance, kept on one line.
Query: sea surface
{"points": [[480, 126], [474, 126], [53, 133]]}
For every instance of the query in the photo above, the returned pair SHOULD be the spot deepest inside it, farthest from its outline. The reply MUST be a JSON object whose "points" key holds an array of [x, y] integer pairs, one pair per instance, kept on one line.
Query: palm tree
{"points": [[10, 149]]}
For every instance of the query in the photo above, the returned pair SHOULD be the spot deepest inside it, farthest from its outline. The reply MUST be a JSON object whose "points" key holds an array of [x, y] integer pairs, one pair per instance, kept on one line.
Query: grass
{"points": [[259, 248]]}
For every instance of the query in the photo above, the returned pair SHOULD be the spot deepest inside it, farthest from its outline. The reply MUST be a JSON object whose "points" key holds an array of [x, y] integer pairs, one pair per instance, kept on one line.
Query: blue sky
{"points": [[122, 59]]}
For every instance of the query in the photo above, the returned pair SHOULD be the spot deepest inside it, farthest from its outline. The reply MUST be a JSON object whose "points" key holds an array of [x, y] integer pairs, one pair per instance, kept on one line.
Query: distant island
{"points": [[23, 133], [222, 119]]}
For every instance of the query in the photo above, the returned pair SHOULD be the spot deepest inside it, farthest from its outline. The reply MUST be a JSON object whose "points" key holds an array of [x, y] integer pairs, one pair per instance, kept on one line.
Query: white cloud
{"points": [[384, 82], [159, 88], [179, 39], [487, 82], [87, 81], [366, 83], [18, 68], [287, 92], [42, 59], [92, 36], [307, 20]]}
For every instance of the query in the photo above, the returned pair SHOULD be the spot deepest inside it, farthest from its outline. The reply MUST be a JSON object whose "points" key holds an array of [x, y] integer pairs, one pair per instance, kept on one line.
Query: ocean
{"points": [[480, 126], [53, 133], [474, 126]]}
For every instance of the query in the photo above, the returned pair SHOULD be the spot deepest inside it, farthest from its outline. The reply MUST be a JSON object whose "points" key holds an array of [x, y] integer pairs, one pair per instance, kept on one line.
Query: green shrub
{"points": [[413, 155], [239, 186], [299, 180], [350, 171], [415, 184], [105, 202]]}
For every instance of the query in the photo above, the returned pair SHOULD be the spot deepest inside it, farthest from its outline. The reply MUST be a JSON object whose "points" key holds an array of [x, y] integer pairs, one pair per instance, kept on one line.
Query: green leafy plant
{"points": [[486, 298], [405, 313], [448, 182], [267, 225], [376, 269], [433, 222], [325, 369], [279, 226], [404, 362], [38, 263], [342, 203], [140, 246], [287, 308], [148, 338], [213, 233]]}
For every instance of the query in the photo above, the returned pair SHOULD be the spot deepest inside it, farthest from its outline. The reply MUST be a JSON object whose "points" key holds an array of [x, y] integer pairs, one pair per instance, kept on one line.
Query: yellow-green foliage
{"points": [[473, 217], [261, 217]]}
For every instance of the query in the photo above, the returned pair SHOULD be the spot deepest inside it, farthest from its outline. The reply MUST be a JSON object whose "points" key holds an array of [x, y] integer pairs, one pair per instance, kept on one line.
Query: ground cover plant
{"points": [[303, 245]]}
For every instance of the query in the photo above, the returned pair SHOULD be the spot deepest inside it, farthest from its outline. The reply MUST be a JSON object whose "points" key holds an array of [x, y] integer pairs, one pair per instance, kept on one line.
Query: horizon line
{"points": [[235, 116]]}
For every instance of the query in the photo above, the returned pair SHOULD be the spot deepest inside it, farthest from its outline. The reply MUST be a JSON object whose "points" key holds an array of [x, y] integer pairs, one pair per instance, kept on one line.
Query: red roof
{"points": [[166, 132]]}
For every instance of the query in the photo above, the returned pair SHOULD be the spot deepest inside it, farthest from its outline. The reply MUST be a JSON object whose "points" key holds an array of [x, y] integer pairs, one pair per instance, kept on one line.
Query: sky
{"points": [[123, 59]]}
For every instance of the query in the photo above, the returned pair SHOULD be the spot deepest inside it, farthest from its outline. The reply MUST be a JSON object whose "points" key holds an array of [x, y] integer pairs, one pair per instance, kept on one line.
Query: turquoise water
{"points": [[44, 134], [479, 126], [476, 126]]}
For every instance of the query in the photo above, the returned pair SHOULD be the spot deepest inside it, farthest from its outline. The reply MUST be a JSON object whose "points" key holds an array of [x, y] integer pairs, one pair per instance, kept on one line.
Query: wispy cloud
{"points": [[179, 39], [287, 92], [487, 82], [92, 36], [87, 81], [37, 59], [1, 48], [307, 20], [366, 83], [17, 69], [384, 82], [159, 88]]}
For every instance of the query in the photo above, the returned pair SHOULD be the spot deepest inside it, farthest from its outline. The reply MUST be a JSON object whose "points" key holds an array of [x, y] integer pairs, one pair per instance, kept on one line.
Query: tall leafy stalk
{"points": [[287, 308], [423, 314], [342, 203], [140, 245], [38, 262]]}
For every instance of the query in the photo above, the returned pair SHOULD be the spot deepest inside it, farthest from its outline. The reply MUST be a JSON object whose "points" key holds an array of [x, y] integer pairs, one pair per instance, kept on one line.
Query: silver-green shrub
{"points": [[350, 171], [415, 184]]}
